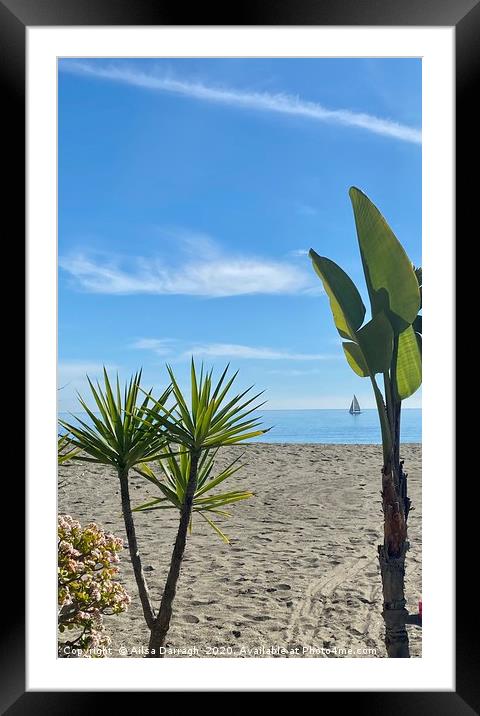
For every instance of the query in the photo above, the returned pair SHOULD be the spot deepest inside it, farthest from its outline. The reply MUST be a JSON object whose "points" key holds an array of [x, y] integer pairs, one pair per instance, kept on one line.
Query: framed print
{"points": [[236, 464]]}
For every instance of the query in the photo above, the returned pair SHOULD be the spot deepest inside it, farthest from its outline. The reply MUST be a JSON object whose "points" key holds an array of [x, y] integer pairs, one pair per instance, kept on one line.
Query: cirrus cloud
{"points": [[280, 103], [215, 275], [164, 346]]}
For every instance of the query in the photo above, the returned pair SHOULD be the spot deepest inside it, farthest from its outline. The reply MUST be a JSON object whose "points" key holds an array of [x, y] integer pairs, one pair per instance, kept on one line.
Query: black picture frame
{"points": [[464, 15]]}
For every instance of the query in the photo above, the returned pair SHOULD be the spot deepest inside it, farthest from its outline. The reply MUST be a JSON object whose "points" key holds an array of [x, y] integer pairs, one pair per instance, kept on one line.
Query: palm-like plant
{"points": [[210, 420], [172, 483], [388, 345], [124, 433], [65, 451]]}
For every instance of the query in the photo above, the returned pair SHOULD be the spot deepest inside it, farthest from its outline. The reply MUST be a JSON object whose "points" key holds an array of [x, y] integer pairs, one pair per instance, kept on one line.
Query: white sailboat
{"points": [[355, 407]]}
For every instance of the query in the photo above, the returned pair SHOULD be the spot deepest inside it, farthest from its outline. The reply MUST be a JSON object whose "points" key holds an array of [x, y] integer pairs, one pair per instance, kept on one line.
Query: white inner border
{"points": [[435, 670]]}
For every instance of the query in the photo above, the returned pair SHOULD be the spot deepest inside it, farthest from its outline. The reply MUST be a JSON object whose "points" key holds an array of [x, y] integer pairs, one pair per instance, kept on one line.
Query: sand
{"points": [[301, 573]]}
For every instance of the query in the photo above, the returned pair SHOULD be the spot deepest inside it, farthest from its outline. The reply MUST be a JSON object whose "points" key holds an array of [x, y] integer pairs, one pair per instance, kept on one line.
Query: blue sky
{"points": [[189, 193]]}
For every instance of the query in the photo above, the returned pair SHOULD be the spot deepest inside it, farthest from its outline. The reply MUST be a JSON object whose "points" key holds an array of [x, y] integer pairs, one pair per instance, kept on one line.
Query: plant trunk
{"points": [[401, 484], [395, 505], [162, 622], [392, 558], [148, 611], [394, 613]]}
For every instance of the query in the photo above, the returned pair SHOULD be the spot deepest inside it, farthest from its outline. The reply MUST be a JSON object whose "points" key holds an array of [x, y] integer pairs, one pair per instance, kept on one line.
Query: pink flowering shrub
{"points": [[87, 586]]}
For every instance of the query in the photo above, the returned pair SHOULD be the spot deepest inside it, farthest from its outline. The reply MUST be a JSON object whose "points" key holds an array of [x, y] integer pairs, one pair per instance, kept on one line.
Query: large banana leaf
{"points": [[345, 301], [356, 359], [394, 288], [389, 274], [376, 341], [409, 364], [371, 352]]}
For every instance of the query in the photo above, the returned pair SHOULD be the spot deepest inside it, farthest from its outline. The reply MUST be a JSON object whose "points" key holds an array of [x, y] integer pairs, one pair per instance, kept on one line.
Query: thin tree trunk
{"points": [[391, 556], [162, 622], [395, 504], [148, 611], [401, 483], [397, 413], [394, 613]]}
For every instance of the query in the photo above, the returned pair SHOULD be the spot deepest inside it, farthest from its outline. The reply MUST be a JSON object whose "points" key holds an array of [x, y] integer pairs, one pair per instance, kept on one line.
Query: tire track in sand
{"points": [[318, 590]]}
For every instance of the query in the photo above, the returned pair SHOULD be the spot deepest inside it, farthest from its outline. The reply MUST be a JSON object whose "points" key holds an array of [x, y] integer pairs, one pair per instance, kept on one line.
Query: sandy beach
{"points": [[301, 572]]}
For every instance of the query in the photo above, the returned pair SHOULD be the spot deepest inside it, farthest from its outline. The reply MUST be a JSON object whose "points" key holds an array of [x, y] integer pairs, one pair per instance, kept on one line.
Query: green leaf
{"points": [[144, 470], [120, 436], [345, 301], [409, 364], [205, 467], [376, 341], [355, 359], [233, 440], [150, 504], [65, 451], [389, 273], [193, 380], [216, 528], [210, 484], [372, 352], [181, 403], [387, 439], [223, 498], [212, 419]]}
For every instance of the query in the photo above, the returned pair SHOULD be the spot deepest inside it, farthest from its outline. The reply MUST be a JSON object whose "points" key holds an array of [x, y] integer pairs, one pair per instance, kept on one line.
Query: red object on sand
{"points": [[420, 607]]}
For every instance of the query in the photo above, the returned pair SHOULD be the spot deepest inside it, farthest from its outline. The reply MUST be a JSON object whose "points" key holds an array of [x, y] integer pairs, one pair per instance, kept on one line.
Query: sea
{"points": [[335, 426], [327, 426]]}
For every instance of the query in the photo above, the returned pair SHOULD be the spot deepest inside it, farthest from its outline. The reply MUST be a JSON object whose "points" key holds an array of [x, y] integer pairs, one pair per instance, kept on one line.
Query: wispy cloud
{"points": [[233, 350], [209, 273], [263, 101], [160, 346], [163, 346], [305, 209], [297, 372], [298, 253]]}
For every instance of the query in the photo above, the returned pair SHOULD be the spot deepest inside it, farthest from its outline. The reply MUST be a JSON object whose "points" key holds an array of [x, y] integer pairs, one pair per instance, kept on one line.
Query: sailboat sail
{"points": [[355, 406]]}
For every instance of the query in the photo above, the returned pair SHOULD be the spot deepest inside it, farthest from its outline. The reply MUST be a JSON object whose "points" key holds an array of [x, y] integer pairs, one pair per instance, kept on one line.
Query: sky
{"points": [[189, 193]]}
